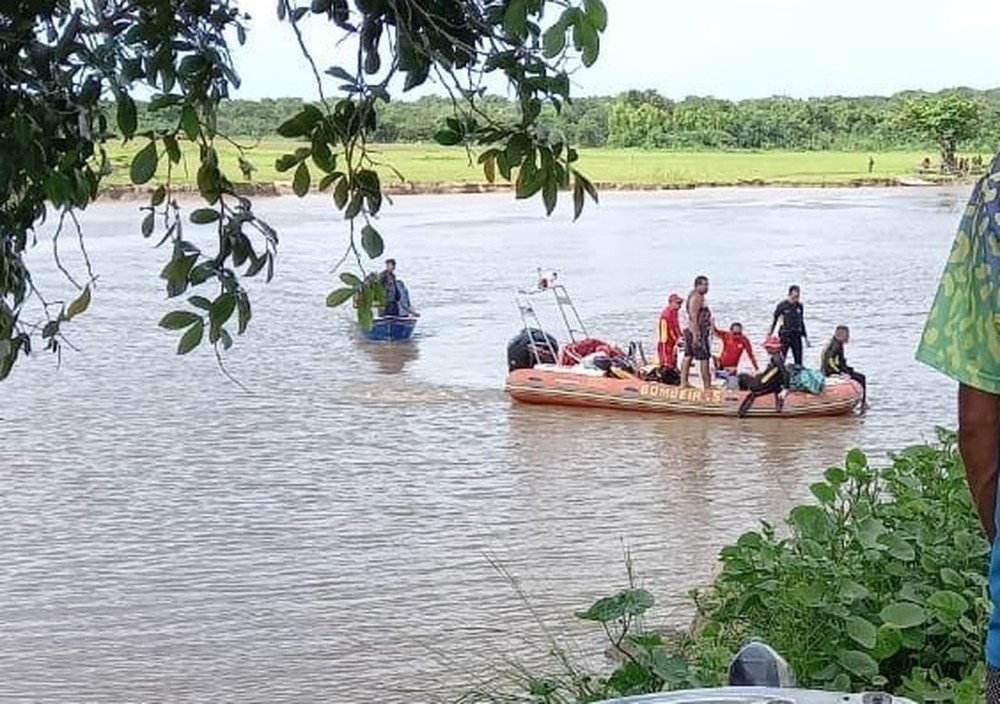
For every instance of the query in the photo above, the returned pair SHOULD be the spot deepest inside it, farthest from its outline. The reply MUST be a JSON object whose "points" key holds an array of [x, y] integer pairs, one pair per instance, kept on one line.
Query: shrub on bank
{"points": [[880, 584]]}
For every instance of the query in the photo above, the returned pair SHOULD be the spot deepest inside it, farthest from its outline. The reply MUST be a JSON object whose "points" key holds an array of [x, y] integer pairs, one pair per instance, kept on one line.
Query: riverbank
{"points": [[432, 169]]}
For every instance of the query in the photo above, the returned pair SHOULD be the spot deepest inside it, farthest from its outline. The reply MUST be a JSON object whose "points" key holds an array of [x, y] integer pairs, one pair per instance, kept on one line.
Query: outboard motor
{"points": [[757, 665], [530, 346]]}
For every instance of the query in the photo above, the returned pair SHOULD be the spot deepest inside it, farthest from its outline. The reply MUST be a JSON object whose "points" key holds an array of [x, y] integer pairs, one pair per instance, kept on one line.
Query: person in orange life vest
{"points": [[734, 344], [670, 332]]}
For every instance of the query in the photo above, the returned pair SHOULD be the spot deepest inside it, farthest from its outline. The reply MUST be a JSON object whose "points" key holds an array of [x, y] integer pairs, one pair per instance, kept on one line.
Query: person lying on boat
{"points": [[833, 361], [773, 380], [734, 344]]}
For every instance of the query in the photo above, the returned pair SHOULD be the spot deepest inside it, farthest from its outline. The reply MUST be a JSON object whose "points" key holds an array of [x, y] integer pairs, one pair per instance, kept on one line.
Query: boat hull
{"points": [[392, 328], [555, 386]]}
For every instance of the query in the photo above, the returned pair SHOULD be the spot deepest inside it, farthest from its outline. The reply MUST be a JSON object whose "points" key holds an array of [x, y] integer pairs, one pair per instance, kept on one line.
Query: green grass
{"points": [[426, 163]]}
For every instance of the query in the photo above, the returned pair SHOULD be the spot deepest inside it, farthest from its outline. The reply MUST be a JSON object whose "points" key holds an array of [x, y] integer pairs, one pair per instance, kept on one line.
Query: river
{"points": [[328, 534]]}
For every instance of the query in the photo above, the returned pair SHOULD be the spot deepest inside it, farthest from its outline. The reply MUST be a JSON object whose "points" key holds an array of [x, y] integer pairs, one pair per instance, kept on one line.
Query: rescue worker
{"points": [[773, 380], [789, 318], [669, 332], [734, 344], [833, 361]]}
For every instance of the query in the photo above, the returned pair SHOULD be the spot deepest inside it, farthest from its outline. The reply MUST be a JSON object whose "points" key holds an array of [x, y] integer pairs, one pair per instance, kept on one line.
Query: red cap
{"points": [[772, 343], [674, 298]]}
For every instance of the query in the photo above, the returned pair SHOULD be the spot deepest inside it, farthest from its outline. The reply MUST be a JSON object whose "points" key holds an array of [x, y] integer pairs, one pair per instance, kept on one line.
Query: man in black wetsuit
{"points": [[834, 361], [773, 380], [789, 314]]}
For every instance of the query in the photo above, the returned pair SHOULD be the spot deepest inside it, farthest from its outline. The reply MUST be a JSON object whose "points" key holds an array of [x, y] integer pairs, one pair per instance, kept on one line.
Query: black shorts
{"points": [[701, 352]]}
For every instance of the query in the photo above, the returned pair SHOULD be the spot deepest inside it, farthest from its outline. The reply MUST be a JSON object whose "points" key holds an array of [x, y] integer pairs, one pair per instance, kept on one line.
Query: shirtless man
{"points": [[697, 333]]}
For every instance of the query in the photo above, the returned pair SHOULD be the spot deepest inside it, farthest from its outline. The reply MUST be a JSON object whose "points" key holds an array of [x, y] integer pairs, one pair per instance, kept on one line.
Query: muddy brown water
{"points": [[166, 536]]}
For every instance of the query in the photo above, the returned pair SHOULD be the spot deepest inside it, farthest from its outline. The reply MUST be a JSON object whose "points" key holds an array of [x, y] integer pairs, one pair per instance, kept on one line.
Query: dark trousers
{"points": [[860, 378], [756, 388], [792, 341]]}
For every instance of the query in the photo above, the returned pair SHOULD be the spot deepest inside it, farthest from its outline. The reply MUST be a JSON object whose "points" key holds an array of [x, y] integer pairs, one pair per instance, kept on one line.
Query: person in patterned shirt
{"points": [[962, 340]]}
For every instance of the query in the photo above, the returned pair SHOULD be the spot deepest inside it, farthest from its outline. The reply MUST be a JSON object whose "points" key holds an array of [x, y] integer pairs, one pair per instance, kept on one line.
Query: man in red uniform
{"points": [[734, 344], [670, 332]]}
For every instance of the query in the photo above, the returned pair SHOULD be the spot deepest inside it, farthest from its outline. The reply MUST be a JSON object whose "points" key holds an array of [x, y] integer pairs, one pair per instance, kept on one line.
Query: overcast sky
{"points": [[726, 48]]}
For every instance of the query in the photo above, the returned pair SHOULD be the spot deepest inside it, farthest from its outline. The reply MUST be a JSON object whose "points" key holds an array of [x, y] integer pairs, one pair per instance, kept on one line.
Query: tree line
{"points": [[646, 119]]}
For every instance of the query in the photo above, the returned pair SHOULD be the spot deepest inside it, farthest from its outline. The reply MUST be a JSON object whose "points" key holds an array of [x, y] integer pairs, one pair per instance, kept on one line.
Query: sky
{"points": [[726, 48]]}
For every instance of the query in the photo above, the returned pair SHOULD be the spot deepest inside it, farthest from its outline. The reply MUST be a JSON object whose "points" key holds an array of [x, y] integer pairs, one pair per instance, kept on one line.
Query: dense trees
{"points": [[646, 119]]}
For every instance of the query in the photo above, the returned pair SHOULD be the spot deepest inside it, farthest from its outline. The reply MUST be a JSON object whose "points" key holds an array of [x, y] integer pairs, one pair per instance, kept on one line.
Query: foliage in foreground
{"points": [[65, 63], [879, 585]]}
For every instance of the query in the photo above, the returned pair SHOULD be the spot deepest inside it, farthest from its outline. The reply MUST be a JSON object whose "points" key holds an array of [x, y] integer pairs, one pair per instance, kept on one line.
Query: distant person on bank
{"points": [[962, 339]]}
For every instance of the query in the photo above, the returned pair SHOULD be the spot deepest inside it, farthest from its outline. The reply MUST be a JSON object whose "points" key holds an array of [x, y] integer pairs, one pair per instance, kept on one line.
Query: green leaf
{"points": [[947, 605], [365, 313], [353, 207], [340, 192], [79, 305], [888, 641], [515, 18], [447, 138], [591, 46], [200, 302], [286, 161], [173, 148], [189, 122], [371, 242], [177, 319], [144, 164], [127, 117], [554, 40], [811, 522], [860, 664], [148, 223], [823, 492], [903, 614], [897, 547], [339, 296], [351, 280], [302, 123], [203, 216], [861, 631], [243, 312], [159, 195], [578, 199], [301, 180], [222, 309], [192, 338], [226, 338], [597, 14]]}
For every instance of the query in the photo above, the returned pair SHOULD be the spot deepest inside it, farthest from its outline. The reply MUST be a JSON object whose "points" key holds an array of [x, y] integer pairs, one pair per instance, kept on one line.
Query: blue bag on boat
{"points": [[809, 380]]}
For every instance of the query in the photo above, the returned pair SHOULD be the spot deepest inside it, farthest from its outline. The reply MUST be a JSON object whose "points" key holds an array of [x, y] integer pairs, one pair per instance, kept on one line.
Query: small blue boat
{"points": [[395, 327], [392, 327]]}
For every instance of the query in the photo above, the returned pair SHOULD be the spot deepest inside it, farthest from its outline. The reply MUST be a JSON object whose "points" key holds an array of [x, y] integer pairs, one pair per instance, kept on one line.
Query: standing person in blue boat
{"points": [[789, 317], [962, 339], [388, 280]]}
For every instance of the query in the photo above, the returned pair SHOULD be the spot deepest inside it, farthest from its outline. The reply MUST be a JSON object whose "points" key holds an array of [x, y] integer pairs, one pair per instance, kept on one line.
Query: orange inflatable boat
{"points": [[539, 374], [571, 386]]}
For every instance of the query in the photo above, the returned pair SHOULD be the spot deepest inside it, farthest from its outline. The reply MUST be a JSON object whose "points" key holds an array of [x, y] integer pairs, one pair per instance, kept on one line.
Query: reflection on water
{"points": [[166, 536]]}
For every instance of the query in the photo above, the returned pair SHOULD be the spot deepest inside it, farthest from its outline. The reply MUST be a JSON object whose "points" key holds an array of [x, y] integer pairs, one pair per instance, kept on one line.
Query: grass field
{"points": [[426, 164]]}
